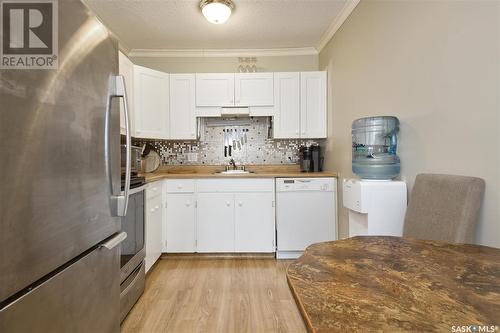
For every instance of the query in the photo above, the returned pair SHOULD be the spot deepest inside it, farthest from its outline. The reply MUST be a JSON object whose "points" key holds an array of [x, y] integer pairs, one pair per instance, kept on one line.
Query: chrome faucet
{"points": [[231, 166], [233, 163]]}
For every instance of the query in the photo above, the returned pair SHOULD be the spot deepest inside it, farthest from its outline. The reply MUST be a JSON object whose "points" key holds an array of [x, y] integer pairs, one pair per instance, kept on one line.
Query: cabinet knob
{"points": [[297, 132], [152, 210], [179, 187], [156, 207], [228, 203], [240, 203], [188, 204]]}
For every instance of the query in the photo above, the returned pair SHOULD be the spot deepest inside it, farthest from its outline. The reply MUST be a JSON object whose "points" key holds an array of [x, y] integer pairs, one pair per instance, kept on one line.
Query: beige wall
{"points": [[227, 64], [435, 65]]}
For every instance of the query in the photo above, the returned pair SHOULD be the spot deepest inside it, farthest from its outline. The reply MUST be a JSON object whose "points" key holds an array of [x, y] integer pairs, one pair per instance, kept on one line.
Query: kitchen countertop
{"points": [[258, 171], [392, 284]]}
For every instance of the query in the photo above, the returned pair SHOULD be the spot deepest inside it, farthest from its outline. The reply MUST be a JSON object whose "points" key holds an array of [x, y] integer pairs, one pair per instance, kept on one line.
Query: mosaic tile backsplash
{"points": [[209, 149]]}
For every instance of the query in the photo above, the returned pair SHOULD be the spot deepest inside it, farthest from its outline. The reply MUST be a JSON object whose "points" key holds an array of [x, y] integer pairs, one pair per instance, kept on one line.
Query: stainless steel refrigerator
{"points": [[60, 196]]}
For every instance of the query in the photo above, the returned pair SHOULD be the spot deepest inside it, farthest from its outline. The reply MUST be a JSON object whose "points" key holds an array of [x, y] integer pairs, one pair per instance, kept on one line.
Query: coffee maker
{"points": [[310, 158]]}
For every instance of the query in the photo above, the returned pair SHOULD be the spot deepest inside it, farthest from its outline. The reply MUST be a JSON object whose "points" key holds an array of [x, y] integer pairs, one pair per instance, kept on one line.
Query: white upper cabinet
{"points": [[126, 69], [215, 90], [300, 105], [164, 106], [151, 101], [253, 89], [287, 105], [182, 106], [313, 118]]}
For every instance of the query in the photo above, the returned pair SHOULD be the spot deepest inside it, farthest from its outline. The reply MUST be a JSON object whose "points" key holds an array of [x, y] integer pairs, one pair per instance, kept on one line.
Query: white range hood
{"points": [[235, 111]]}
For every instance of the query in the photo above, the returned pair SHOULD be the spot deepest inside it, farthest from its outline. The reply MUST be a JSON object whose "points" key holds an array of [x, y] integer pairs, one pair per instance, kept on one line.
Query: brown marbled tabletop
{"points": [[392, 284]]}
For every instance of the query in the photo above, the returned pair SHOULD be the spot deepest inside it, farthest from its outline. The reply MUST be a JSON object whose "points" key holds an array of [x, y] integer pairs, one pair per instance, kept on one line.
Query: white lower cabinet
{"points": [[180, 232], [214, 215], [153, 224], [254, 222], [215, 222]]}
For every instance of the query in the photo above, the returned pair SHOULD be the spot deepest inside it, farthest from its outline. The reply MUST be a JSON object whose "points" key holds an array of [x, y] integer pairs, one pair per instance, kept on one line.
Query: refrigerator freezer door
{"points": [[55, 192], [81, 298]]}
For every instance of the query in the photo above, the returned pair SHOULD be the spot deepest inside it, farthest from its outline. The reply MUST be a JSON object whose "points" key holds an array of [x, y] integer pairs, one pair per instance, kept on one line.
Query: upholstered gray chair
{"points": [[444, 208]]}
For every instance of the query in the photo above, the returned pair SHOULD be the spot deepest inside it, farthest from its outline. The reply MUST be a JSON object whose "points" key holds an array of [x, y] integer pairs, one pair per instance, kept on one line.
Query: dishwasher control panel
{"points": [[305, 184]]}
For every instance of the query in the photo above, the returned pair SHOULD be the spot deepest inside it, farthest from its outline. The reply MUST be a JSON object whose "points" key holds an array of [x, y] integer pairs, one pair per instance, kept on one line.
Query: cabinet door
{"points": [[180, 223], [182, 107], [287, 105], [153, 225], [254, 222], [253, 89], [215, 222], [215, 89], [313, 119], [151, 99], [126, 69]]}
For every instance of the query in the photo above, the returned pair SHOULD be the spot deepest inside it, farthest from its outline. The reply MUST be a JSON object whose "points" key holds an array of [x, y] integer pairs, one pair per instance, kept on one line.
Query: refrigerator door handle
{"points": [[114, 241], [117, 89]]}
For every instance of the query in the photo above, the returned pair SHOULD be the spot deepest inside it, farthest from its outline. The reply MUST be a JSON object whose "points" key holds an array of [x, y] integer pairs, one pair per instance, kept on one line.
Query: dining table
{"points": [[396, 284]]}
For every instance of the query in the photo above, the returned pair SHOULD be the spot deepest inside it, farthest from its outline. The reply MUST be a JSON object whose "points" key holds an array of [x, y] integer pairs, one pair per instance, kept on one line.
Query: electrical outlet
{"points": [[192, 157]]}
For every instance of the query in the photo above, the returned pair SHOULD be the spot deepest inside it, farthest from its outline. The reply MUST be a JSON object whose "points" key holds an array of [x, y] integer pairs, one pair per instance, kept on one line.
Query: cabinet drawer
{"points": [[180, 186], [234, 185], [153, 190]]}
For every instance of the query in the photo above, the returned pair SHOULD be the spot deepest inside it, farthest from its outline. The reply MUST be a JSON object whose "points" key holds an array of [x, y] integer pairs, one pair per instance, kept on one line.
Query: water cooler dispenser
{"points": [[375, 207], [376, 202]]}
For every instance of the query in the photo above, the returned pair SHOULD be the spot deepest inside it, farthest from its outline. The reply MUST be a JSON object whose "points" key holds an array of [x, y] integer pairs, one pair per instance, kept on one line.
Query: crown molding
{"points": [[205, 53], [337, 23], [123, 48], [271, 52]]}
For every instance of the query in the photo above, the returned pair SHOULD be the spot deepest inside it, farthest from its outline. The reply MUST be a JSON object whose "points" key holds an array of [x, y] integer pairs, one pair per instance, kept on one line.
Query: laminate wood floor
{"points": [[216, 295]]}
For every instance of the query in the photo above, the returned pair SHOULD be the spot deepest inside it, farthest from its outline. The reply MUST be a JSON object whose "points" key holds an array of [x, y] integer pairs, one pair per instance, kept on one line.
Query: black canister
{"points": [[316, 159]]}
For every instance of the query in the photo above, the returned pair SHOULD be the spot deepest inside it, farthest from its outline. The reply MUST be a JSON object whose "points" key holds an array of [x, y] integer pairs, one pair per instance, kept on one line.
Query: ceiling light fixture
{"points": [[216, 11]]}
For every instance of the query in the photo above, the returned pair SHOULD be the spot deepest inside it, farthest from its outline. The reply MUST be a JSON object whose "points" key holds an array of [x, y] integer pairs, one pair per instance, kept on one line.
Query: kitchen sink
{"points": [[234, 172]]}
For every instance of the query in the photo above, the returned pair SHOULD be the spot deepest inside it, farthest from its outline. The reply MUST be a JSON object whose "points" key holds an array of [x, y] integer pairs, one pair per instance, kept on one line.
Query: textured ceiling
{"points": [[179, 24]]}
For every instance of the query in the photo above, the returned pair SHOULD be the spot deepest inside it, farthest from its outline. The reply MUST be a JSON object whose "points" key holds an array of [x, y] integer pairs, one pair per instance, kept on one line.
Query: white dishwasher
{"points": [[306, 213]]}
